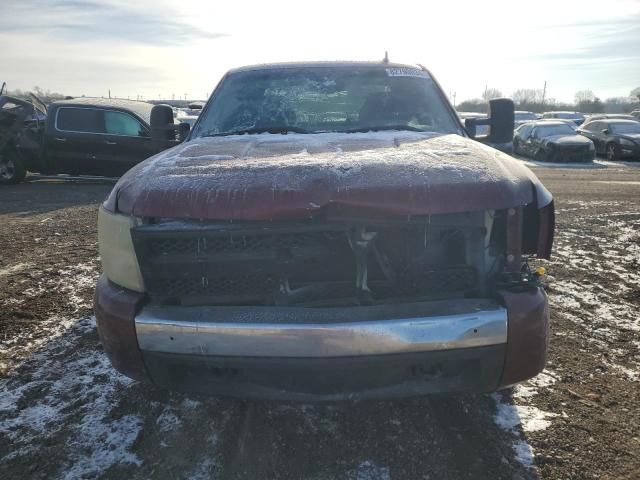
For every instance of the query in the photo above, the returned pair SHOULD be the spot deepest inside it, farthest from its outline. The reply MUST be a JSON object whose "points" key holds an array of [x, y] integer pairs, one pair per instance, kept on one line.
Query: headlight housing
{"points": [[119, 262], [626, 143]]}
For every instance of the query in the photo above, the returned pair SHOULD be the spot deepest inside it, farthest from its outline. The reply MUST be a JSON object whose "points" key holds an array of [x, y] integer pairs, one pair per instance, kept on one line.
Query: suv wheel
{"points": [[541, 155], [612, 152], [516, 145], [11, 169]]}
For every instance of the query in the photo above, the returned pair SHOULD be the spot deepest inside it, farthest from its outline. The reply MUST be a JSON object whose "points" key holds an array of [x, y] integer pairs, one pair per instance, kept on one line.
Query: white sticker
{"points": [[406, 72]]}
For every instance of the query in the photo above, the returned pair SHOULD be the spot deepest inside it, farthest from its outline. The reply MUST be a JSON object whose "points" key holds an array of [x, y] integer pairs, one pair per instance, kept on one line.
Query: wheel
{"points": [[516, 145], [541, 155], [612, 152], [11, 169]]}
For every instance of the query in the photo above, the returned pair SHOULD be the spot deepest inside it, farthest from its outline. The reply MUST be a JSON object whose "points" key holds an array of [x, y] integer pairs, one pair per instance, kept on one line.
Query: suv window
{"points": [[120, 123], [86, 120]]}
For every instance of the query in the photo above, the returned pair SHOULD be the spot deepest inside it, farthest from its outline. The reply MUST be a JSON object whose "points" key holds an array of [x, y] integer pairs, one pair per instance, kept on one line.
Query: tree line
{"points": [[47, 96], [533, 100]]}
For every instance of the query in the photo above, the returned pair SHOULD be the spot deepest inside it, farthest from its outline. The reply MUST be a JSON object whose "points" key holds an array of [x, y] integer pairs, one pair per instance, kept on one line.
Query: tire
{"points": [[611, 152], [541, 155], [11, 169], [516, 145]]}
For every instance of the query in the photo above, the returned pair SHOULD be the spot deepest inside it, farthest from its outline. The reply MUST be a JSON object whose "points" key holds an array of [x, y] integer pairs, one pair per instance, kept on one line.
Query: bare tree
{"points": [[584, 96], [491, 93], [47, 96], [527, 96], [635, 93]]}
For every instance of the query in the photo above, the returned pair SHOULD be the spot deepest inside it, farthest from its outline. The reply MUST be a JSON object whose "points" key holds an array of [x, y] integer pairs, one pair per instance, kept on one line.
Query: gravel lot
{"points": [[64, 413]]}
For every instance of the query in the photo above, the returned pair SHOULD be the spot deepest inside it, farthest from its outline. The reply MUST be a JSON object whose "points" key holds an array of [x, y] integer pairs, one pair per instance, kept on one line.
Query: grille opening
{"points": [[312, 265]]}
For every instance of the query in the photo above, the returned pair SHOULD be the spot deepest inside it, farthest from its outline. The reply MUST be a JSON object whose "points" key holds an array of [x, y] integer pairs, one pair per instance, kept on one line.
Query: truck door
{"points": [[75, 143], [129, 141]]}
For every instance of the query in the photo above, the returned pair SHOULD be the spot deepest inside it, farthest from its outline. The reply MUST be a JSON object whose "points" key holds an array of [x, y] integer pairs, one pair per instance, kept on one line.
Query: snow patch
{"points": [[69, 388], [14, 269], [368, 470]]}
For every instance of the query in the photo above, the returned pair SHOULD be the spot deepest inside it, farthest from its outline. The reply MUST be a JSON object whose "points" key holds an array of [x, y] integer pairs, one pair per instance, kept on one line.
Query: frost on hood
{"points": [[257, 177]]}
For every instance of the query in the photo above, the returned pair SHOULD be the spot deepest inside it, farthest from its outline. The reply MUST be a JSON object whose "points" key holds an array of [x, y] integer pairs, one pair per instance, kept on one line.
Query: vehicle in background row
{"points": [[635, 114], [521, 117], [190, 114], [16, 117], [82, 136], [575, 117], [610, 116], [554, 141], [328, 231], [617, 139]]}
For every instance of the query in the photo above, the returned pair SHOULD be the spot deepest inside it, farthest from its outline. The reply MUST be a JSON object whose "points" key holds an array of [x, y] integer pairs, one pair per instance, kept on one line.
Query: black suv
{"points": [[80, 136], [617, 139]]}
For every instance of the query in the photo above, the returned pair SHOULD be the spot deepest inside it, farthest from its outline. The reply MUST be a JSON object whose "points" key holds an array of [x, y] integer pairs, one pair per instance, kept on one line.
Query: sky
{"points": [[168, 48]]}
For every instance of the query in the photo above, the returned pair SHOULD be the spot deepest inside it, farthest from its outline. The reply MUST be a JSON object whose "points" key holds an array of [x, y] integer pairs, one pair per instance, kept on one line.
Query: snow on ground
{"points": [[69, 383], [518, 416], [606, 314], [70, 281]]}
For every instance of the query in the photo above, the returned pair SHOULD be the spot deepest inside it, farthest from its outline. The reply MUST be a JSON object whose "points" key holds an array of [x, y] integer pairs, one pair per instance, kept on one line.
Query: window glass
{"points": [[327, 99], [79, 120], [119, 123], [625, 128], [549, 130]]}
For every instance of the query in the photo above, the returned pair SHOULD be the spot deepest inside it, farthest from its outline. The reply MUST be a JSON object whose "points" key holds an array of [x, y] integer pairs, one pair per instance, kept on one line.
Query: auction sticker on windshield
{"points": [[406, 72]]}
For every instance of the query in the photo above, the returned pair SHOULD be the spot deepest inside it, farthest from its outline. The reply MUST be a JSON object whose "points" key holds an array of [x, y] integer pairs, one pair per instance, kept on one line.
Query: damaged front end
{"points": [[331, 261]]}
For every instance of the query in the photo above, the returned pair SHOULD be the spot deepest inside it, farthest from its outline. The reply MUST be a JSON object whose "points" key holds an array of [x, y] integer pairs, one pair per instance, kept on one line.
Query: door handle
{"points": [[109, 142], [58, 139]]}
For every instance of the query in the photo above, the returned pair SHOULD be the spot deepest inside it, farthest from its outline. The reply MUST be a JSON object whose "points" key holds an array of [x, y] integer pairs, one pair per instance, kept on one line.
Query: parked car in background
{"points": [[611, 116], [328, 231], [521, 117], [575, 117], [617, 139], [190, 114], [17, 116], [635, 114], [82, 136], [550, 140]]}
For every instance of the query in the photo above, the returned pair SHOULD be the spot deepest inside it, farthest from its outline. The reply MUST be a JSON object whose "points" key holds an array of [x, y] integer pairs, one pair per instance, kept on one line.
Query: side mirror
{"points": [[605, 131], [470, 125], [163, 130], [501, 120], [183, 131]]}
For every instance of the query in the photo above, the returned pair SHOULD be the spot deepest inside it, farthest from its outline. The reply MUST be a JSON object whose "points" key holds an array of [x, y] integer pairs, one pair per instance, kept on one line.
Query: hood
{"points": [[568, 140], [296, 176]]}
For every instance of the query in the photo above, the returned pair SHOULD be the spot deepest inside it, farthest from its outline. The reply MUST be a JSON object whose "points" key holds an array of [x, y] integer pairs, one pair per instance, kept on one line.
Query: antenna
{"points": [[386, 57]]}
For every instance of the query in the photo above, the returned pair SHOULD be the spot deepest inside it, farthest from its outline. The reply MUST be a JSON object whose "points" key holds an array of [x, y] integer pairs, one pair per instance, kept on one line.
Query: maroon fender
{"points": [[115, 309], [528, 334]]}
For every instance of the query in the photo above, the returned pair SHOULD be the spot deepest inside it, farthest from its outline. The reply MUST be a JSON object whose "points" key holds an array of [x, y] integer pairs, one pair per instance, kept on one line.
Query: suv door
{"points": [[75, 143], [128, 141]]}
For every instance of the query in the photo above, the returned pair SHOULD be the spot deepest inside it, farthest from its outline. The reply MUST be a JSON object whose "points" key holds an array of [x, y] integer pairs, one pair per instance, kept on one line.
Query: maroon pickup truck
{"points": [[327, 231]]}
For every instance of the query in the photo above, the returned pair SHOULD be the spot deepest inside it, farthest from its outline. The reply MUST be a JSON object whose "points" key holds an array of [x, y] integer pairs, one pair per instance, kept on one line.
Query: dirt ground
{"points": [[64, 413]]}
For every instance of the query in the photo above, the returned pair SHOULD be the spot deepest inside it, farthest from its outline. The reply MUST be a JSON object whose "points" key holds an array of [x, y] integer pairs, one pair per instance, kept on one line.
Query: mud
{"points": [[64, 413]]}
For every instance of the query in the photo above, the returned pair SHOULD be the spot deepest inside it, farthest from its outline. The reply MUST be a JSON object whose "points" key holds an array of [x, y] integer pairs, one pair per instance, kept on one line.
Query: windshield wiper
{"points": [[378, 128], [254, 130]]}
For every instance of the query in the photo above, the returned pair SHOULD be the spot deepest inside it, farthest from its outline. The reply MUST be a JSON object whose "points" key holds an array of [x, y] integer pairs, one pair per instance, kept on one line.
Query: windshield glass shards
{"points": [[326, 99]]}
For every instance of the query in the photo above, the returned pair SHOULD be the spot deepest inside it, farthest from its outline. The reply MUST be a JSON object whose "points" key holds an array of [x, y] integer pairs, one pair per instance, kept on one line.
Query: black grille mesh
{"points": [[268, 266]]}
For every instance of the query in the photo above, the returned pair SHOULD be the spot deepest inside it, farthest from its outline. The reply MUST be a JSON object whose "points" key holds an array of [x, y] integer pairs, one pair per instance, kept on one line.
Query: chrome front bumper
{"points": [[321, 333]]}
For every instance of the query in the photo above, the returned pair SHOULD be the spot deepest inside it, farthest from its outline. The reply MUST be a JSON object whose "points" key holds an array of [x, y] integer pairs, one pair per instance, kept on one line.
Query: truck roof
{"points": [[140, 108], [320, 64]]}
